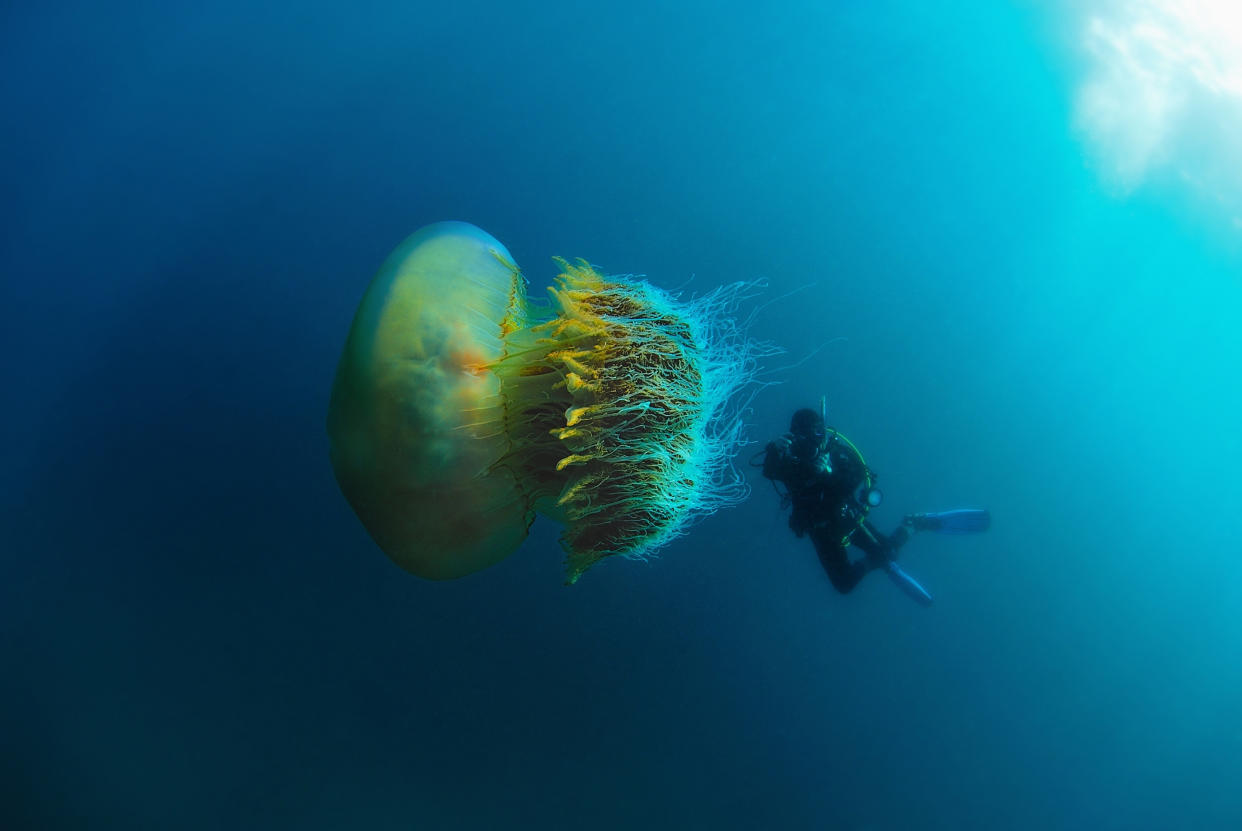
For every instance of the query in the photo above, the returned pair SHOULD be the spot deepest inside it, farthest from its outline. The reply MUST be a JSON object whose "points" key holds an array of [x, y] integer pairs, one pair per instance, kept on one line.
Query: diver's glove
{"points": [[781, 448], [822, 464]]}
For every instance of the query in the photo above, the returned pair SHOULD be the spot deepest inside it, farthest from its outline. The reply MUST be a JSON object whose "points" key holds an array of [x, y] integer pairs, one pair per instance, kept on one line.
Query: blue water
{"points": [[197, 633]]}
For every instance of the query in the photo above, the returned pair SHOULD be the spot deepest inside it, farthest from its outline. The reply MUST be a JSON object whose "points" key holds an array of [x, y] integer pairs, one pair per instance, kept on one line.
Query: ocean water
{"points": [[1011, 268]]}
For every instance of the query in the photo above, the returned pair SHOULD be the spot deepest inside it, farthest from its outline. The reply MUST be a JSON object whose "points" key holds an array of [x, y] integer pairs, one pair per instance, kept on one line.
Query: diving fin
{"points": [[908, 584], [960, 521]]}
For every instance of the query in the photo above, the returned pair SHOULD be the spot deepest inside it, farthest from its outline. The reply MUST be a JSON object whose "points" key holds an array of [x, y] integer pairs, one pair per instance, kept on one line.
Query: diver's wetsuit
{"points": [[825, 505]]}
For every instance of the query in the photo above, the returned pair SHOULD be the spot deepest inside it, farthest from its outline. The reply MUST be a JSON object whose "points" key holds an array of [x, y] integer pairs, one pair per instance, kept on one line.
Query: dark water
{"points": [[196, 632]]}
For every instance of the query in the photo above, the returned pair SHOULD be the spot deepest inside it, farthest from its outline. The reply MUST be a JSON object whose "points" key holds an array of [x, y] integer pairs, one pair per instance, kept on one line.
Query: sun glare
{"points": [[1164, 90]]}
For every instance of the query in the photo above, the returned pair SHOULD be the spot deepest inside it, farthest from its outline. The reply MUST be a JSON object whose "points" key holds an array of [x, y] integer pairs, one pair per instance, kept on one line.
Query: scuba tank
{"points": [[865, 495]]}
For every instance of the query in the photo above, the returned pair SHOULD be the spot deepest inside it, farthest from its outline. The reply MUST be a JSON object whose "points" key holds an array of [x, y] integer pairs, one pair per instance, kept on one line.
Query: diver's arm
{"points": [[778, 459]]}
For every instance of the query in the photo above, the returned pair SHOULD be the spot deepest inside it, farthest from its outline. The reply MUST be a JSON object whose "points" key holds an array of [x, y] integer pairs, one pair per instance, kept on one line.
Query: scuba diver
{"points": [[831, 490]]}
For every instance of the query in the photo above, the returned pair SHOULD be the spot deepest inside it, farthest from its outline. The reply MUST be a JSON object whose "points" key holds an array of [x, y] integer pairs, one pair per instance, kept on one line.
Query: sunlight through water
{"points": [[1163, 94]]}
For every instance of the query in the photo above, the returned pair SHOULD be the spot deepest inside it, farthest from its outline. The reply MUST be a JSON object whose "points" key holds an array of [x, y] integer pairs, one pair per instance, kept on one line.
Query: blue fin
{"points": [[908, 584], [960, 521]]}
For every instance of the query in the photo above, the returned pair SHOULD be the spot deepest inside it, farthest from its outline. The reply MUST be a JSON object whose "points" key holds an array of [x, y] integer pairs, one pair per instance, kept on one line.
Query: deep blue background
{"points": [[196, 632]]}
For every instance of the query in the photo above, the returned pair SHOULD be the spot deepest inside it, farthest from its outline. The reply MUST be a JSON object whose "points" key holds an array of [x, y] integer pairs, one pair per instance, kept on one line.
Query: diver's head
{"points": [[807, 427]]}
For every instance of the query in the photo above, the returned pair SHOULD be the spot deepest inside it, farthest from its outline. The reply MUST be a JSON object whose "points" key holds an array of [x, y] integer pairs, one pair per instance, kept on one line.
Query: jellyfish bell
{"points": [[460, 410], [415, 419]]}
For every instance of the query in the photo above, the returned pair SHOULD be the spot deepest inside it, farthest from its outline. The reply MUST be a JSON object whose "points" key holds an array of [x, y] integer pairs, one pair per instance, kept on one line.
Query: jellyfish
{"points": [[461, 409]]}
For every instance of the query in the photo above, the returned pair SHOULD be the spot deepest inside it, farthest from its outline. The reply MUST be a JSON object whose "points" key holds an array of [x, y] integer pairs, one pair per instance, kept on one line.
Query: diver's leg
{"points": [[880, 548], [843, 574]]}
